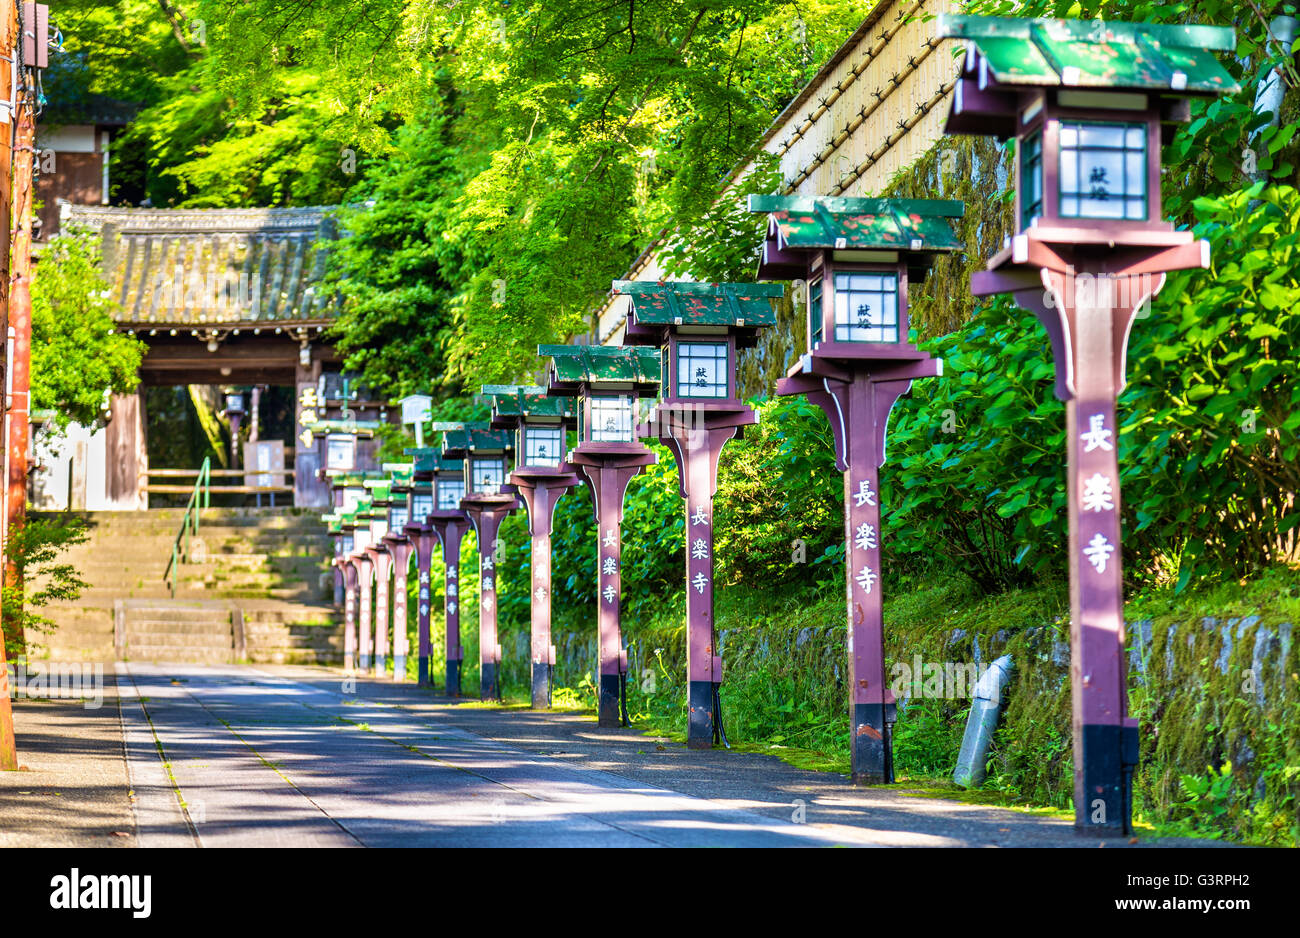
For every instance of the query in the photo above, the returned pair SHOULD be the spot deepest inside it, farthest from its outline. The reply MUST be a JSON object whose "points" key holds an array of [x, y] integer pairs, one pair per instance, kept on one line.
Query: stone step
{"points": [[272, 564], [198, 631], [156, 615], [295, 656], [181, 656]]}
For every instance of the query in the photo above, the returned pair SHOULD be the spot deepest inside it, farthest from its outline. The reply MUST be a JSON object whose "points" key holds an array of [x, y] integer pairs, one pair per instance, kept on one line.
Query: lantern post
{"points": [[448, 523], [399, 547], [346, 489], [858, 256], [363, 565], [422, 537], [486, 454], [699, 328], [381, 567], [342, 528], [234, 412], [1089, 105], [606, 382], [541, 477]]}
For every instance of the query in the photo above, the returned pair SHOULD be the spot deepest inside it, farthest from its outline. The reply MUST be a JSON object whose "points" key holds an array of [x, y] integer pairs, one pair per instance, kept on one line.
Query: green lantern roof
{"points": [[381, 492], [510, 400], [429, 460], [475, 437], [362, 428], [701, 304], [371, 510], [843, 222], [364, 508], [1097, 53], [400, 476], [344, 478], [602, 364]]}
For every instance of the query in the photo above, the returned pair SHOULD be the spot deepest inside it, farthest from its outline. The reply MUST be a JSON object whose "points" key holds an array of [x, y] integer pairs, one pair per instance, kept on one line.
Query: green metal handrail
{"points": [[200, 498]]}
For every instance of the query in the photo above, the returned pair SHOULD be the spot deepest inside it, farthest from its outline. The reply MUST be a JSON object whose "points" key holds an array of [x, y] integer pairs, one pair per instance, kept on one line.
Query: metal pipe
{"points": [[1268, 96], [983, 720]]}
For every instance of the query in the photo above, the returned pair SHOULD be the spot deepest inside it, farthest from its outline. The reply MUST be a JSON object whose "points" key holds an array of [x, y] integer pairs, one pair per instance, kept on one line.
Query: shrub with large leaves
{"points": [[1208, 423]]}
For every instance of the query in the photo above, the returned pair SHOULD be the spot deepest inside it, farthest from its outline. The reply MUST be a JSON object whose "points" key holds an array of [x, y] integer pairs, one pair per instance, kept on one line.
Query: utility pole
{"points": [[29, 57], [8, 35]]}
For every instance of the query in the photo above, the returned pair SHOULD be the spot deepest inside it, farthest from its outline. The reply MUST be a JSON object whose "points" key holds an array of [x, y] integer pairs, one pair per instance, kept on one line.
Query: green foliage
{"points": [[77, 357], [1213, 431], [975, 469], [33, 548], [287, 152], [724, 241], [394, 268], [544, 144], [779, 511], [1208, 436]]}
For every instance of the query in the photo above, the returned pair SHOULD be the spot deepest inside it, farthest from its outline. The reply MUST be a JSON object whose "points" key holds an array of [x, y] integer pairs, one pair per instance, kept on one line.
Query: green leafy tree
{"points": [[78, 357], [33, 548]]}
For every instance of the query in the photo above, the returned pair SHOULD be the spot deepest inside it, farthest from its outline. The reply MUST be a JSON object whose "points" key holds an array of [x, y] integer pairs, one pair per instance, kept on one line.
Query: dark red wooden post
{"points": [[361, 562], [423, 539], [858, 257], [448, 523], [349, 569], [486, 519], [858, 412], [1089, 104], [699, 327], [399, 548], [606, 381], [540, 478], [486, 454], [451, 531], [381, 564]]}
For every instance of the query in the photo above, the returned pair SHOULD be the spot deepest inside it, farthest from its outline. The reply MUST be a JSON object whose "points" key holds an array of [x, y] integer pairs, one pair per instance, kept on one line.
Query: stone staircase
{"points": [[259, 590]]}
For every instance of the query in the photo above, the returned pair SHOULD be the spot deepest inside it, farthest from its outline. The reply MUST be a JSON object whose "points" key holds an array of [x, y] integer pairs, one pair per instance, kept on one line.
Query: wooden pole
{"points": [[8, 34], [20, 318]]}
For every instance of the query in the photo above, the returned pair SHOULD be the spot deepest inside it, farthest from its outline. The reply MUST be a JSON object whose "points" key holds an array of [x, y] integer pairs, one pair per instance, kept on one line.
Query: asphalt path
{"points": [[236, 756], [249, 758]]}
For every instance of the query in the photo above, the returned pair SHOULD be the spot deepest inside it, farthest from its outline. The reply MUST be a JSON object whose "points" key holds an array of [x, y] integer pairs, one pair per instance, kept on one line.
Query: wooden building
{"points": [[221, 297]]}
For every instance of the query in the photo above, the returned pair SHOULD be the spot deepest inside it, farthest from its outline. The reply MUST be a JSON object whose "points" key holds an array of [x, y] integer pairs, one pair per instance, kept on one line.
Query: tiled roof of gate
{"points": [[703, 304], [260, 268], [1097, 54], [805, 221]]}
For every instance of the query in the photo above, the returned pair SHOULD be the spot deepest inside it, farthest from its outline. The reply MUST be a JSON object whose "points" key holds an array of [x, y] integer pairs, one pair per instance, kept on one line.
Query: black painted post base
{"points": [[453, 677], [363, 663], [487, 685], [541, 686], [699, 720], [872, 754], [399, 667], [1109, 756], [607, 714], [422, 671]]}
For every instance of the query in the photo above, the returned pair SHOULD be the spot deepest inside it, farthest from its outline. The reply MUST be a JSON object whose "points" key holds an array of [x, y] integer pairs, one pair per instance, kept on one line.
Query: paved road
{"points": [[264, 760], [264, 756]]}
